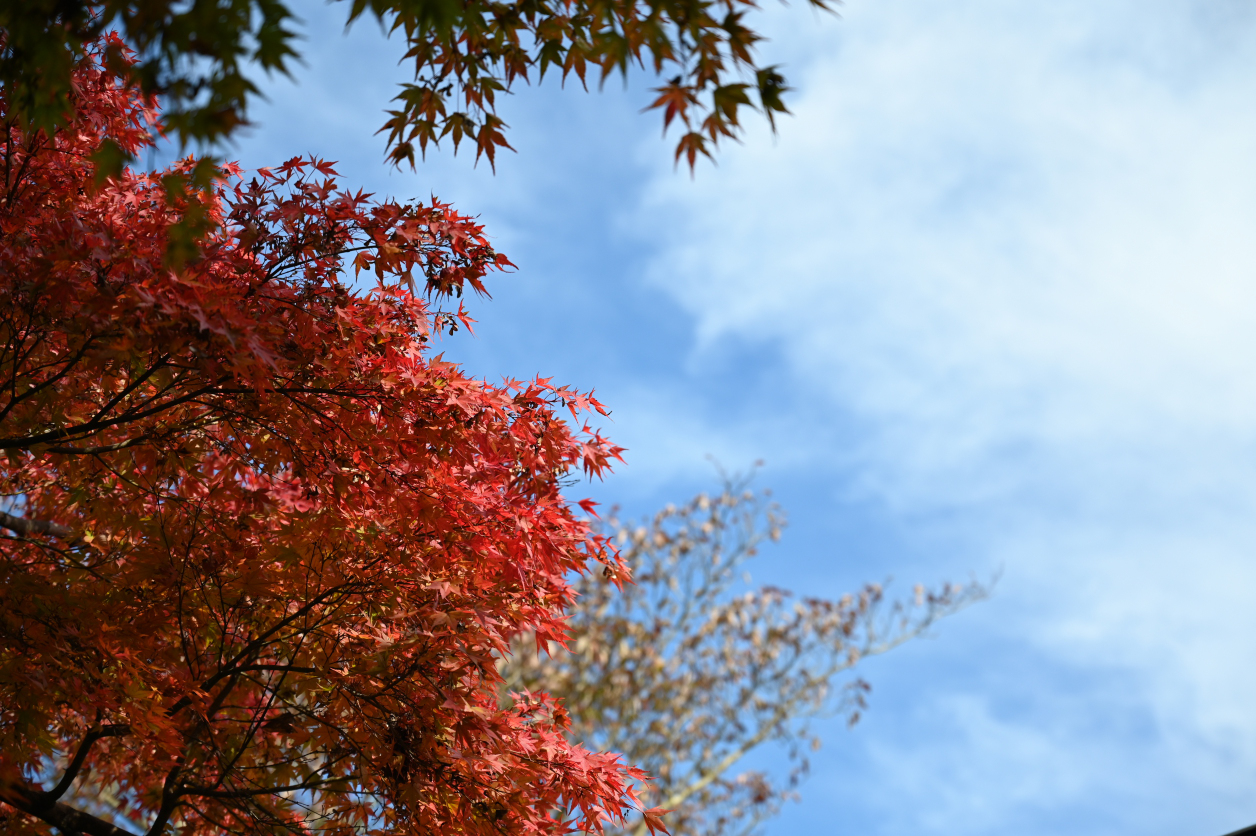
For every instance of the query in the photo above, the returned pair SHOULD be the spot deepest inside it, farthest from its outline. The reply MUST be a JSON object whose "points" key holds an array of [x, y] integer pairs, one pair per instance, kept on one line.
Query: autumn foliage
{"points": [[261, 546], [689, 670], [465, 56]]}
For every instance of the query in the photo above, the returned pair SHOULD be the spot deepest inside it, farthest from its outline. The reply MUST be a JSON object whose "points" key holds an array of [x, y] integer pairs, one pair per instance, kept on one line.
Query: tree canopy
{"points": [[689, 670], [199, 54], [262, 547]]}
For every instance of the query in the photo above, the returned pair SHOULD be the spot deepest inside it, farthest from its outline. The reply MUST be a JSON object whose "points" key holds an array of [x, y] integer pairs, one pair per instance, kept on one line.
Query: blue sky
{"points": [[986, 302]]}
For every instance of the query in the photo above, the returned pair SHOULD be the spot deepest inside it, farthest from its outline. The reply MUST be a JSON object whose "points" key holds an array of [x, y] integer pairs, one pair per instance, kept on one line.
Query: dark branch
{"points": [[99, 424], [72, 771], [210, 792], [95, 451], [27, 527], [234, 667], [169, 800], [65, 818]]}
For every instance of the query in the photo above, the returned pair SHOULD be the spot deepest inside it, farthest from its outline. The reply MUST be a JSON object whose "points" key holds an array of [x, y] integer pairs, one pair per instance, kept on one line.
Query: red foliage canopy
{"points": [[260, 546]]}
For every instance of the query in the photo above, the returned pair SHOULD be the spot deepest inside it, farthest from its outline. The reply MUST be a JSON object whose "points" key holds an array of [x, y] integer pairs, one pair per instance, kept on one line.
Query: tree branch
{"points": [[72, 771], [169, 800], [65, 818], [27, 527], [70, 450], [210, 792]]}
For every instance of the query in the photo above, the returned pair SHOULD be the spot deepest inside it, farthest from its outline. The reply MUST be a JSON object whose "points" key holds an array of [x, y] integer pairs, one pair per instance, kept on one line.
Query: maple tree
{"points": [[464, 53], [261, 546], [687, 674]]}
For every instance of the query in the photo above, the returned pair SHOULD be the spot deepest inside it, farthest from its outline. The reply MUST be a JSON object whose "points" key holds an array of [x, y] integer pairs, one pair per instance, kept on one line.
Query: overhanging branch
{"points": [[27, 527], [65, 818], [76, 764]]}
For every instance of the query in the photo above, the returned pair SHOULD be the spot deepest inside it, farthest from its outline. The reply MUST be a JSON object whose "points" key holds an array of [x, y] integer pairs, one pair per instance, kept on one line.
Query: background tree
{"points": [[686, 676], [261, 548], [197, 55]]}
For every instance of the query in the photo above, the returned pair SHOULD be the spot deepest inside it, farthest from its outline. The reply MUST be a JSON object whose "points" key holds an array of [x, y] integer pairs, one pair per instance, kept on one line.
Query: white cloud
{"points": [[976, 236], [1014, 242]]}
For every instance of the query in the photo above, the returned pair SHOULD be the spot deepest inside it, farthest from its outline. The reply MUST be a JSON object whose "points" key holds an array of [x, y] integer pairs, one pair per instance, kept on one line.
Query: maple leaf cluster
{"points": [[261, 547], [465, 55]]}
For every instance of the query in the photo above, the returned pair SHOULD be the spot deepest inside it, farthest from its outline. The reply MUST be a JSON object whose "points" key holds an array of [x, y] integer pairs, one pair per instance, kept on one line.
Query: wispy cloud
{"points": [[1011, 245], [986, 231]]}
